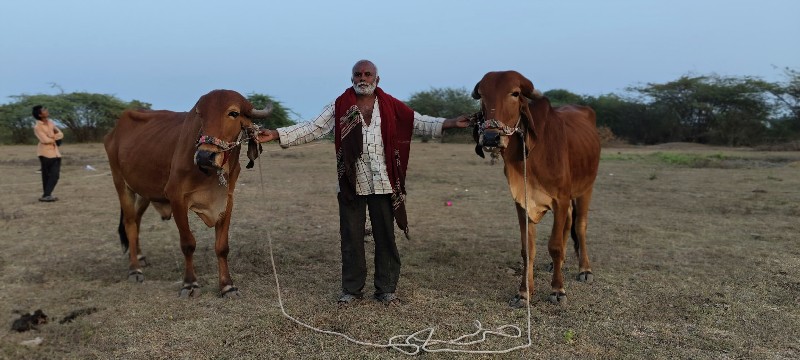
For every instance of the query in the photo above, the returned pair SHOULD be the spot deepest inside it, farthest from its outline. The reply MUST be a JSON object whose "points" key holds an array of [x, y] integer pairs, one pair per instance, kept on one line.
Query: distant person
{"points": [[372, 135], [47, 150]]}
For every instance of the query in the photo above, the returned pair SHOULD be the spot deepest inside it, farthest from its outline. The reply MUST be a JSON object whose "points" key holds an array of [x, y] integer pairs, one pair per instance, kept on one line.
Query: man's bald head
{"points": [[364, 77], [368, 64]]}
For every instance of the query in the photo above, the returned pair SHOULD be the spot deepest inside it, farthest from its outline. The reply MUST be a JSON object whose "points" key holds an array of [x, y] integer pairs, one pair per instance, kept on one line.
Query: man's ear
{"points": [[377, 80]]}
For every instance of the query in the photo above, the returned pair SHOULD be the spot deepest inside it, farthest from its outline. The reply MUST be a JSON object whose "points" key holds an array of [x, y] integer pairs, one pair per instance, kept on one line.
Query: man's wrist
{"points": [[447, 124]]}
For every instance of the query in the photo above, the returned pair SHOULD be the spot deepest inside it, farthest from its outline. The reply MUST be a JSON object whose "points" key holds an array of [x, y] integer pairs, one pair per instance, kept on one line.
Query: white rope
{"points": [[422, 340]]}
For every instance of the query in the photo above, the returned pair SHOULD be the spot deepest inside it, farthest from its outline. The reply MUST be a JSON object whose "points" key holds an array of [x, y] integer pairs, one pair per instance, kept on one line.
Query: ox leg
{"points": [[226, 288], [567, 227], [190, 286], [528, 253], [130, 222], [557, 248], [141, 206], [579, 235], [567, 230]]}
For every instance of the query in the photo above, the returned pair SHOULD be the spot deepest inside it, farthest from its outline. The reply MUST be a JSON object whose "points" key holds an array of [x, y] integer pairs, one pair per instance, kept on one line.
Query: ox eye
{"points": [[515, 94], [233, 113]]}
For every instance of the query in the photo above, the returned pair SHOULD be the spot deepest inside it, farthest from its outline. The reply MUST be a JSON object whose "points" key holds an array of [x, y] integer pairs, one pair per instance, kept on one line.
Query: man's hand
{"points": [[266, 135], [458, 122]]}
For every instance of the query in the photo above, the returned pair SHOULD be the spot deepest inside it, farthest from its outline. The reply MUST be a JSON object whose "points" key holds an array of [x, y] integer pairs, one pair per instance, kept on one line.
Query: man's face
{"points": [[364, 79]]}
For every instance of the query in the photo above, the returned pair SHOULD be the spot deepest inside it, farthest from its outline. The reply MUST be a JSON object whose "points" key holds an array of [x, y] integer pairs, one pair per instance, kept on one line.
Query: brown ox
{"points": [[181, 161], [560, 150]]}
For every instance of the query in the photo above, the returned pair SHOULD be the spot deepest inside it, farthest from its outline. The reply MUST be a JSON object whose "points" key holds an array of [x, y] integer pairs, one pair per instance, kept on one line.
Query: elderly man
{"points": [[372, 135]]}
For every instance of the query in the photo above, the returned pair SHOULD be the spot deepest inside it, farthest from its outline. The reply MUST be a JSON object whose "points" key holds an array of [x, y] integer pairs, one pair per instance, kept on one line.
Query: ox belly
{"points": [[209, 204]]}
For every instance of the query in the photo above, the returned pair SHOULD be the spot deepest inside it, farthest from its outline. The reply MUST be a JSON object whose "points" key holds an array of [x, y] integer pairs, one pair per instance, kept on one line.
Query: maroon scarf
{"points": [[397, 127]]}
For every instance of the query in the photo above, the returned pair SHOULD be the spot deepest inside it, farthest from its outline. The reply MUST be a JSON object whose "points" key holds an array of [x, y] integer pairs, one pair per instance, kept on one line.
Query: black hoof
{"points": [[229, 292], [518, 302], [135, 276], [586, 277], [558, 298], [189, 290]]}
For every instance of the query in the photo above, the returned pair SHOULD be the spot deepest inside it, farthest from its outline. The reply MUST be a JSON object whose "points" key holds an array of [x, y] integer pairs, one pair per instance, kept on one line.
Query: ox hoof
{"points": [[586, 277], [229, 292], [518, 302], [558, 298], [135, 276], [189, 290]]}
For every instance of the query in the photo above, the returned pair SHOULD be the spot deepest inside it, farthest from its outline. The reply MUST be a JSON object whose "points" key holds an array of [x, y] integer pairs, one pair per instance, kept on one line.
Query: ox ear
{"points": [[477, 119], [200, 104], [254, 149], [530, 97], [525, 109], [479, 150], [526, 87], [475, 94], [530, 121]]}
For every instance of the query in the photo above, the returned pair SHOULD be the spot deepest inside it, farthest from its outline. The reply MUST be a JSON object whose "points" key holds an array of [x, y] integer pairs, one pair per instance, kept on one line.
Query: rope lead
{"points": [[422, 340]]}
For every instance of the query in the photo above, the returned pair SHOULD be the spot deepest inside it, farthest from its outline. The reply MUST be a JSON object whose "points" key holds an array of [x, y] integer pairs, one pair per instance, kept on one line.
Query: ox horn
{"points": [[262, 114]]}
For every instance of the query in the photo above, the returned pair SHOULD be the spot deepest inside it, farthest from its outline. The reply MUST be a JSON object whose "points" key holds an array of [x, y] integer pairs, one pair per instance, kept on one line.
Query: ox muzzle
{"points": [[493, 136], [492, 139], [209, 160], [212, 153]]}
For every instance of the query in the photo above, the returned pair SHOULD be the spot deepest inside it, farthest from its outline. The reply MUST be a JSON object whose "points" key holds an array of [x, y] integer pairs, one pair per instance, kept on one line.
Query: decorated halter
{"points": [[479, 120], [246, 132], [222, 144], [480, 123], [506, 130], [225, 147]]}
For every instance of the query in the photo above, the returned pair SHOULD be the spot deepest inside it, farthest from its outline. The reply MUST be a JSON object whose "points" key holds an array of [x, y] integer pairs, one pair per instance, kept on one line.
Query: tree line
{"points": [[707, 109], [87, 117]]}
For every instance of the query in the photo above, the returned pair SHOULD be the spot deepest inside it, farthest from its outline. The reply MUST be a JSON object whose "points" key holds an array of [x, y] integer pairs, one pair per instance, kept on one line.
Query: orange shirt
{"points": [[47, 133]]}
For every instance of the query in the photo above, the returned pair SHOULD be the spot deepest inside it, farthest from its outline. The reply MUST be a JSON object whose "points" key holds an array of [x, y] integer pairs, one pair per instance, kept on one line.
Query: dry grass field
{"points": [[695, 253]]}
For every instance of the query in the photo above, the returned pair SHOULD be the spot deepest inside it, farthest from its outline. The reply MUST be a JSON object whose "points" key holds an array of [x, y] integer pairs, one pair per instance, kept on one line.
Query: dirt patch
{"points": [[689, 262]]}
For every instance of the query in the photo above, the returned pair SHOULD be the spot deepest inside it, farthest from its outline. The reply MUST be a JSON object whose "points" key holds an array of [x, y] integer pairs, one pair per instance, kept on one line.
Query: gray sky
{"points": [[170, 52]]}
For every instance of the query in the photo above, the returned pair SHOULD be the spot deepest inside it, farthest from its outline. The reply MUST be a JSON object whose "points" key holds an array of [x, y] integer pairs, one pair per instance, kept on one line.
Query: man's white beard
{"points": [[366, 90]]}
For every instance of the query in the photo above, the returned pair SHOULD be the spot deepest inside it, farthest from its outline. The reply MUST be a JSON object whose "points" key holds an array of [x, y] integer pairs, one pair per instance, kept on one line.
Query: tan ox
{"points": [[557, 150], [181, 161]]}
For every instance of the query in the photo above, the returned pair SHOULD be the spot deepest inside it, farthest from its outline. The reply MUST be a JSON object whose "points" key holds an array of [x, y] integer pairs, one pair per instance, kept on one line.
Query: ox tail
{"points": [[123, 237], [574, 229]]}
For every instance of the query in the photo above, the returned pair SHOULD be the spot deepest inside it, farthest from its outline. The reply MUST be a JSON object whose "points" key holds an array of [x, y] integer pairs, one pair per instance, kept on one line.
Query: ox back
{"points": [[145, 146]]}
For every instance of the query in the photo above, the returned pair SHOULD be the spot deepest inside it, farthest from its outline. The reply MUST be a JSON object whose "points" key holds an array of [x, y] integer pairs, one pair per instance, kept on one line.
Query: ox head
{"points": [[226, 121], [504, 97]]}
